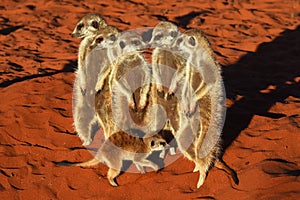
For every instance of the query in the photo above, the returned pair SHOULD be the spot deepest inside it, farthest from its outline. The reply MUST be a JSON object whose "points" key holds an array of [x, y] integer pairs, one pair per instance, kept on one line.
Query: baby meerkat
{"points": [[123, 146], [199, 134], [95, 61]]}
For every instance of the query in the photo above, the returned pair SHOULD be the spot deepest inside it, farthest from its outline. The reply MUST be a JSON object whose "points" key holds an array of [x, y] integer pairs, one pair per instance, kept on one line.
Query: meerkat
{"points": [[95, 61], [164, 33], [199, 134], [123, 146], [123, 56], [165, 65], [90, 24]]}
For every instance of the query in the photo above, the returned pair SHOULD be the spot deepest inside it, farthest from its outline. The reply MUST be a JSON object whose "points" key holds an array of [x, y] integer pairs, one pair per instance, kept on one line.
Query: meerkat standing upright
{"points": [[87, 28], [128, 71], [203, 86], [165, 64], [94, 30], [122, 146]]}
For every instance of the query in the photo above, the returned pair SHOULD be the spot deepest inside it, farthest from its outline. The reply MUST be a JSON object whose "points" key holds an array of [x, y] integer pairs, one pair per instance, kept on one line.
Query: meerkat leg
{"points": [[148, 163], [220, 164], [82, 119], [202, 166], [111, 175], [140, 168]]}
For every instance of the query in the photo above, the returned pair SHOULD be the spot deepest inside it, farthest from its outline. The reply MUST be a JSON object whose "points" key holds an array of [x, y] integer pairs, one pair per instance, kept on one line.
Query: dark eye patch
{"points": [[173, 34], [163, 143], [95, 24], [192, 41], [80, 26], [122, 44], [136, 42], [158, 36], [152, 143], [99, 40], [179, 41], [113, 37]]}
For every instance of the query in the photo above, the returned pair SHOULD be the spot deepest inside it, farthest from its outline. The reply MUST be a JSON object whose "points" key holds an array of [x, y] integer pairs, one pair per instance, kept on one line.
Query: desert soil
{"points": [[258, 45]]}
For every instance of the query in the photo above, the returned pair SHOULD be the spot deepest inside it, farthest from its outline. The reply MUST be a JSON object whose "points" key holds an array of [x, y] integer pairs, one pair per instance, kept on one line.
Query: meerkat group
{"points": [[116, 88]]}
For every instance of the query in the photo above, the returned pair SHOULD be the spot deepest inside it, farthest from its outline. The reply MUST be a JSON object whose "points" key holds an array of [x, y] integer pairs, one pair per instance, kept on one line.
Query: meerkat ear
{"points": [[95, 24], [122, 44], [192, 41]]}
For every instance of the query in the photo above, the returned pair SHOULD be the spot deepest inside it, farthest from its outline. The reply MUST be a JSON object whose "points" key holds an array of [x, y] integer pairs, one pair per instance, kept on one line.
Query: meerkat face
{"points": [[164, 34], [185, 44], [106, 38], [158, 144], [130, 41], [90, 24]]}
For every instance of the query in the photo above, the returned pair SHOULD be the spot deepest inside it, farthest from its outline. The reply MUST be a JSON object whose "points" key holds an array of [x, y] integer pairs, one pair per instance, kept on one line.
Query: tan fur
{"points": [[164, 63], [90, 24], [91, 63], [123, 146], [113, 86], [199, 134]]}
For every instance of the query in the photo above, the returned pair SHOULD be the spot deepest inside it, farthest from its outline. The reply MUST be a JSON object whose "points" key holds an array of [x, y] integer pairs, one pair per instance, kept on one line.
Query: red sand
{"points": [[257, 42]]}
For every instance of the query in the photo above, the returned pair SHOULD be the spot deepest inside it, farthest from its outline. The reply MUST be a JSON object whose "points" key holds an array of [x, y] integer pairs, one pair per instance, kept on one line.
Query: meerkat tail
{"points": [[88, 163], [220, 164]]}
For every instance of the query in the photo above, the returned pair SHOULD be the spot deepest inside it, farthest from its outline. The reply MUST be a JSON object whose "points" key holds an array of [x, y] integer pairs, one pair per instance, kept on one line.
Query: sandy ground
{"points": [[257, 43]]}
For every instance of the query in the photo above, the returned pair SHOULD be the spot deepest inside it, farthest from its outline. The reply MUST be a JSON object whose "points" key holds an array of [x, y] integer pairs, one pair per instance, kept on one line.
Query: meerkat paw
{"points": [[113, 183], [196, 168], [201, 180], [159, 88], [87, 142], [172, 151], [162, 154], [99, 86], [131, 104]]}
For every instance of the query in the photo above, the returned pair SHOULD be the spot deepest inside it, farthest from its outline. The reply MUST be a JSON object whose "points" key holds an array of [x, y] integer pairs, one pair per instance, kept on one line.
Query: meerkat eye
{"points": [[99, 40], [113, 37], [192, 41], [179, 41], [163, 143], [173, 34], [158, 36], [152, 143], [80, 26], [136, 42], [95, 24], [122, 44]]}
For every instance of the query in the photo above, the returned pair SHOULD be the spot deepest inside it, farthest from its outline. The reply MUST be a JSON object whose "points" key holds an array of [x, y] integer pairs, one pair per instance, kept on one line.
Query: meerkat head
{"points": [[90, 24], [164, 33], [106, 38], [130, 41], [157, 143], [189, 41]]}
